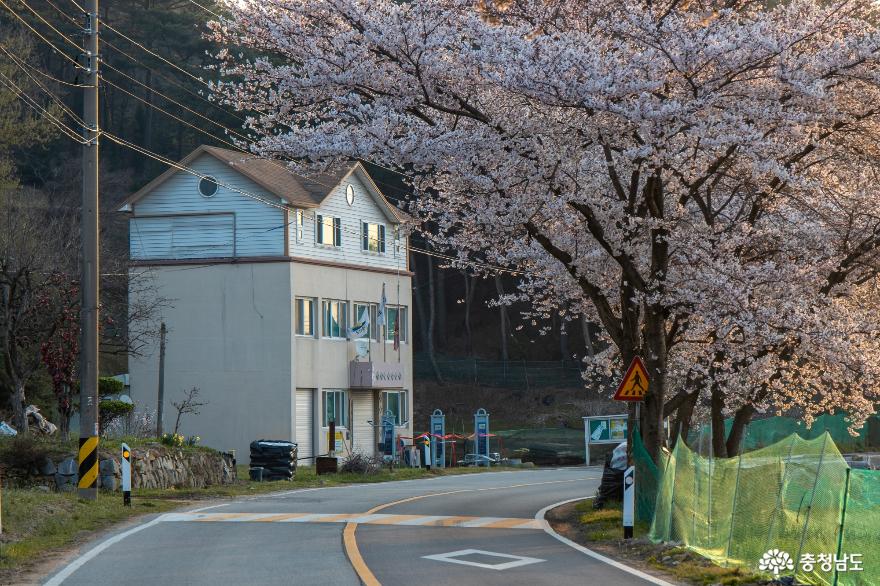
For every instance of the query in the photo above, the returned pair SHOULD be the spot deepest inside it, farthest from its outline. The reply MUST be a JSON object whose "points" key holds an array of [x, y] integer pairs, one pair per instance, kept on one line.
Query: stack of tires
{"points": [[273, 460]]}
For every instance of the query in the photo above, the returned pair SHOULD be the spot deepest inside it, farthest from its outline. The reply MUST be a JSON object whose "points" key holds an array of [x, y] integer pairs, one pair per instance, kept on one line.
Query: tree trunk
{"points": [[564, 349], [18, 402], [719, 449], [737, 430], [431, 317], [442, 338], [502, 312], [469, 288], [588, 337], [683, 414]]}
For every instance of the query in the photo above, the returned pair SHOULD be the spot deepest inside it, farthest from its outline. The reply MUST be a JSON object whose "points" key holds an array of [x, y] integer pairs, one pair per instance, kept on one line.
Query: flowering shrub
{"points": [[193, 440], [173, 439]]}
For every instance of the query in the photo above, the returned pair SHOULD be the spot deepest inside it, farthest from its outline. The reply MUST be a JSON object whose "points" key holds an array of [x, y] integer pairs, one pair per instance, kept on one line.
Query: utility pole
{"points": [[161, 407], [88, 429]]}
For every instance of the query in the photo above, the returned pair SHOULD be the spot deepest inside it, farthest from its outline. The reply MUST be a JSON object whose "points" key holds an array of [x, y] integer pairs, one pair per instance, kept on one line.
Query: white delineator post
{"points": [[126, 475], [629, 493]]}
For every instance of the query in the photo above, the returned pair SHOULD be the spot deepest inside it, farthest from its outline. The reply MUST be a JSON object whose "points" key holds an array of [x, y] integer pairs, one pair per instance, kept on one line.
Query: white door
{"points": [[361, 415], [304, 425]]}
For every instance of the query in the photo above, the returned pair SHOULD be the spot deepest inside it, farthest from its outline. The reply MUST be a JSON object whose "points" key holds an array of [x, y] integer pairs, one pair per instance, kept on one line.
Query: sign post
{"points": [[389, 441], [481, 434], [331, 438], [438, 431], [126, 475], [629, 490], [633, 388], [604, 429]]}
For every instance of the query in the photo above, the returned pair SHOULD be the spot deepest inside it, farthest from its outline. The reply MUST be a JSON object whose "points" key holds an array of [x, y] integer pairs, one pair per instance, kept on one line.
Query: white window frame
{"points": [[335, 226], [325, 323], [340, 396], [367, 240], [300, 225], [372, 334], [402, 406], [314, 303], [389, 331]]}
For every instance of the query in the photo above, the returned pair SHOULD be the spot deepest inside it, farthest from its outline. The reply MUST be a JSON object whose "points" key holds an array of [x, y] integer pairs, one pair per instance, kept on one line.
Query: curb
{"points": [[540, 516]]}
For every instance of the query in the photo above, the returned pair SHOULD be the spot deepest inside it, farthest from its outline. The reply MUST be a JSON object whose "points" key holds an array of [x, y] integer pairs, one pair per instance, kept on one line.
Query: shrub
{"points": [[360, 463], [110, 410], [107, 385], [24, 455]]}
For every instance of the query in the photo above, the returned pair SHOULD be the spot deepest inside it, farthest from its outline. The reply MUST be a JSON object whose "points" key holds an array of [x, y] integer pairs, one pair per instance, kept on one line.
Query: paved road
{"points": [[410, 532]]}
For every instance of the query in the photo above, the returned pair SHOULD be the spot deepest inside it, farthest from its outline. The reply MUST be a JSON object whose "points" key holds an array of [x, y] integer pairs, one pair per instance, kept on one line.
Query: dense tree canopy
{"points": [[697, 177]]}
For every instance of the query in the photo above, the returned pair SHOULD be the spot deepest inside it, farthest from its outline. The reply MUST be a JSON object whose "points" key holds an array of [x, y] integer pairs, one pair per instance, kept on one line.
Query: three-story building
{"points": [[263, 274]]}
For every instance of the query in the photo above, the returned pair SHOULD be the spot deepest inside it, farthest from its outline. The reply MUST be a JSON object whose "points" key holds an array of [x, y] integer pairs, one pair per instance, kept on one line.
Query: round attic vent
{"points": [[349, 194], [207, 186]]}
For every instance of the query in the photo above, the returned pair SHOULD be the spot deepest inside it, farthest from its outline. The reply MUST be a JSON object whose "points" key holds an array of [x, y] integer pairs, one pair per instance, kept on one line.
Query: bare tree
{"points": [[37, 253], [188, 406]]}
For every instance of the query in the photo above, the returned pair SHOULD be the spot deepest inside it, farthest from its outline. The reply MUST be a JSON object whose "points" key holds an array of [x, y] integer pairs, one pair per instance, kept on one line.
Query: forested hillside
{"points": [[155, 105]]}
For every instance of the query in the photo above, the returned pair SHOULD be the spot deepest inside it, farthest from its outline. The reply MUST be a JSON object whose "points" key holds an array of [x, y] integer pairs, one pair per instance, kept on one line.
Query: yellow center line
{"points": [[281, 517], [450, 522], [350, 542]]}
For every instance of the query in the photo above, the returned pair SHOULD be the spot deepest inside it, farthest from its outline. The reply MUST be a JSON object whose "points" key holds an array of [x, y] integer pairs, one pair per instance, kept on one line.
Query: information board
{"points": [[604, 429]]}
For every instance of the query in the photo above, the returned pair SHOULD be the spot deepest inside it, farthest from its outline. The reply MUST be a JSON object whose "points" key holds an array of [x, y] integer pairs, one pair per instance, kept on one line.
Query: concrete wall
{"points": [[230, 334]]}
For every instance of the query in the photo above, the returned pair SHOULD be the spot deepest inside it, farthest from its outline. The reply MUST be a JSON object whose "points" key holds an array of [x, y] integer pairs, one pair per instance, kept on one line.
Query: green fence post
{"points": [[842, 523], [733, 507], [810, 506]]}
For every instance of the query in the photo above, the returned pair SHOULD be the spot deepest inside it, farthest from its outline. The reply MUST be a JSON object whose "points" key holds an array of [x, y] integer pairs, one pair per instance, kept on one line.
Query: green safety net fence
{"points": [[797, 496], [765, 432], [648, 479]]}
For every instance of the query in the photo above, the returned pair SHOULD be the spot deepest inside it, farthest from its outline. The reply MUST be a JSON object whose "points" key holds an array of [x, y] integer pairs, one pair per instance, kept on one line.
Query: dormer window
{"points": [[328, 230], [207, 186], [372, 237]]}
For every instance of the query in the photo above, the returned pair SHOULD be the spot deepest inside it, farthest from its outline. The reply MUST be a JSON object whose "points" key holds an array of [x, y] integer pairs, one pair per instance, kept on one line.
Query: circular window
{"points": [[207, 186], [349, 194]]}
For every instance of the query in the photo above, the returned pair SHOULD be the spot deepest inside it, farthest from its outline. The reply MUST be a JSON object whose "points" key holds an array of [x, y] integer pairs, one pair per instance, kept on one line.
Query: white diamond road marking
{"points": [[451, 557]]}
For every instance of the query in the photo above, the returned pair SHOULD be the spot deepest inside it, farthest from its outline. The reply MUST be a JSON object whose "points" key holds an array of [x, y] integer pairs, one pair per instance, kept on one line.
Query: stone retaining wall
{"points": [[153, 467]]}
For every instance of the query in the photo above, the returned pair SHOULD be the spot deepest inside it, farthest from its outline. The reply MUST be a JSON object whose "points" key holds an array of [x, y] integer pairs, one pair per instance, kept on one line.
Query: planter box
{"points": [[326, 465]]}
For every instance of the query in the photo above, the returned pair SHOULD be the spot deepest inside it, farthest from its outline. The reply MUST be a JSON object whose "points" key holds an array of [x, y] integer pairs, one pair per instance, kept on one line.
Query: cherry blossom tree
{"points": [[698, 178]]}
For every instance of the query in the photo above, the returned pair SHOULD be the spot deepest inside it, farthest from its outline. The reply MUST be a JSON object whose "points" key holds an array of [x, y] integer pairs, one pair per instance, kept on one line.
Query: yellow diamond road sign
{"points": [[634, 386]]}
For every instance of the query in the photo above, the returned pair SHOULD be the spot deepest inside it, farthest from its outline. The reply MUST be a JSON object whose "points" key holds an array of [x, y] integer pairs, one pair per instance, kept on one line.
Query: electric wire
{"points": [[42, 37], [50, 25], [31, 103], [52, 96]]}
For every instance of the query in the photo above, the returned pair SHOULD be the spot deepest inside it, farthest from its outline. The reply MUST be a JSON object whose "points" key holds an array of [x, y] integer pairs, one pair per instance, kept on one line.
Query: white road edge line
{"points": [[73, 566], [539, 516], [206, 508]]}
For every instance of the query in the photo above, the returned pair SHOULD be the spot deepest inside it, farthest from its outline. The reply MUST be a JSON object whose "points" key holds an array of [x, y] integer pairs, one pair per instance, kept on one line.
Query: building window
{"points": [[398, 242], [370, 310], [393, 313], [335, 408], [396, 402], [207, 186], [305, 316], [335, 322], [300, 225], [372, 237], [328, 230]]}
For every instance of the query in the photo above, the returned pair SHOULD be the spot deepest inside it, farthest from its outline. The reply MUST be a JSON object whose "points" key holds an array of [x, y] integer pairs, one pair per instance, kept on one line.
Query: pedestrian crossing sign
{"points": [[634, 386]]}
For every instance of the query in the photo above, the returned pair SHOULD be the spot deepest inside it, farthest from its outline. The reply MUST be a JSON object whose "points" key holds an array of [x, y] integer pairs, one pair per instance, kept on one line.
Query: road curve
{"points": [[469, 529]]}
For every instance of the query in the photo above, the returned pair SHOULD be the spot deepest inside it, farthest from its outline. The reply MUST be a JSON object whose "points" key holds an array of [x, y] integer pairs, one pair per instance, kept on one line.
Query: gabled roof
{"points": [[296, 190]]}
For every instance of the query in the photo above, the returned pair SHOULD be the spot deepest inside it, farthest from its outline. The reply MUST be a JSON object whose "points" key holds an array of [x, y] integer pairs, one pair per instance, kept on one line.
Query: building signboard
{"points": [[375, 375], [438, 430]]}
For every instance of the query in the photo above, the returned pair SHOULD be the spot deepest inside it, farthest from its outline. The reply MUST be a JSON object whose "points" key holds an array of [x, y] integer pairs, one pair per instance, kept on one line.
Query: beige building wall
{"points": [[230, 333], [323, 364]]}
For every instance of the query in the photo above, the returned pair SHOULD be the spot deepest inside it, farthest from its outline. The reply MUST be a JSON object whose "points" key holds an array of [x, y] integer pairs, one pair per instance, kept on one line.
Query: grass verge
{"points": [[602, 530]]}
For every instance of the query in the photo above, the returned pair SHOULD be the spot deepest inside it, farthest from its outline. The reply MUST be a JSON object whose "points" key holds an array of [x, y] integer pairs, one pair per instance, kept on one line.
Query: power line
{"points": [[52, 96], [206, 9], [39, 34], [50, 25], [169, 114], [31, 103], [173, 101]]}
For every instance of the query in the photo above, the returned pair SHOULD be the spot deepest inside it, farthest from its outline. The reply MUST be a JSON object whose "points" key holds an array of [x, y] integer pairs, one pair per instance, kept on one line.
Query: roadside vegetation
{"points": [[602, 530]]}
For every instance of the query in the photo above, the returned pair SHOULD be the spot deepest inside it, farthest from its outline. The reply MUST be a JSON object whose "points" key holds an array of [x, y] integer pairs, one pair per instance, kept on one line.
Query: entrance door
{"points": [[361, 415], [305, 414]]}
